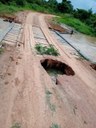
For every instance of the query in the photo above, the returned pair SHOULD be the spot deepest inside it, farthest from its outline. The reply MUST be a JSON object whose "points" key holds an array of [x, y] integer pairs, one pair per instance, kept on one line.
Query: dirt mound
{"points": [[54, 26], [57, 28], [21, 16], [17, 18], [8, 18]]}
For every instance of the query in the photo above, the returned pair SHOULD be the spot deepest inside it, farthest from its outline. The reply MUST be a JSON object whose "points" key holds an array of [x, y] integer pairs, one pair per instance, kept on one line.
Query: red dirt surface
{"points": [[30, 98]]}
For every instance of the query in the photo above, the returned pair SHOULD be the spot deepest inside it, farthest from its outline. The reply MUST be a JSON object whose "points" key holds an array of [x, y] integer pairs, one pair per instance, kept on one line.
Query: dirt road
{"points": [[28, 96]]}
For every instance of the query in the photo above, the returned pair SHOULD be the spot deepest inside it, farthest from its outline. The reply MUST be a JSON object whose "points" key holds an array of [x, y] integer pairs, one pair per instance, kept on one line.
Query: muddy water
{"points": [[85, 44]]}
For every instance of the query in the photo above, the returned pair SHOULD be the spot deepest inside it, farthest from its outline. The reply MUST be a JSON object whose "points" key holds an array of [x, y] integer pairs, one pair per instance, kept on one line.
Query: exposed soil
{"points": [[28, 96], [54, 26], [93, 66], [21, 17], [8, 16], [17, 18]]}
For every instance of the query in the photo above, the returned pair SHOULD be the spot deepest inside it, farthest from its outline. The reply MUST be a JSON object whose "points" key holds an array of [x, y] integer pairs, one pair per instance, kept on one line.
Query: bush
{"points": [[20, 2], [16, 125], [76, 24], [1, 50], [48, 50]]}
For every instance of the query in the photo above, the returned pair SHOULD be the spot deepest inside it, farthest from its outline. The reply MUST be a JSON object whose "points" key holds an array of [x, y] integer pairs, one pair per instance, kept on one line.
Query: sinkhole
{"points": [[54, 67], [93, 66]]}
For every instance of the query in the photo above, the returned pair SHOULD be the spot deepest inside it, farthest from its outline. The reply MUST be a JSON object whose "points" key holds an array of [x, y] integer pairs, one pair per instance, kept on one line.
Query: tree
{"points": [[65, 6], [53, 4], [82, 14], [20, 2], [5, 1], [39, 2]]}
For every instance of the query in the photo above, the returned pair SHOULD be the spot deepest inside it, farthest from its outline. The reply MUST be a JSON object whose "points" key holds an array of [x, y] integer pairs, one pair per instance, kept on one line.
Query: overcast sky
{"points": [[84, 4]]}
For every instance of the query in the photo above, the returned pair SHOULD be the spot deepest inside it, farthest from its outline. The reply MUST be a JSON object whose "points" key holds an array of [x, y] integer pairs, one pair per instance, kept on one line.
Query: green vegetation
{"points": [[65, 6], [48, 101], [48, 92], [86, 17], [82, 20], [75, 23], [16, 125], [9, 9], [1, 50], [48, 50], [55, 126], [41, 5]]}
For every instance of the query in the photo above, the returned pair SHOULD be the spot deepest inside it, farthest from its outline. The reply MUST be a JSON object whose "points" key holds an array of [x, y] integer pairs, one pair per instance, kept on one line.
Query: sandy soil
{"points": [[30, 98]]}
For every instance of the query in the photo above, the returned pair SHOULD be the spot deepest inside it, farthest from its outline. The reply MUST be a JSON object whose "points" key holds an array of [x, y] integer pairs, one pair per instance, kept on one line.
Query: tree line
{"points": [[65, 6]]}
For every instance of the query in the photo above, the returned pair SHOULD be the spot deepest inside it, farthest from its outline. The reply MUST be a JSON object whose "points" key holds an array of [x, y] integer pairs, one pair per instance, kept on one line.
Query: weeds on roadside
{"points": [[55, 126], [16, 125], [48, 50], [48, 98], [1, 50]]}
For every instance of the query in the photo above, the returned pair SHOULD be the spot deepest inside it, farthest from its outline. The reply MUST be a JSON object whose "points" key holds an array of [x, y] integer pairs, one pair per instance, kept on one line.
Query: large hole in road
{"points": [[93, 66], [54, 67]]}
